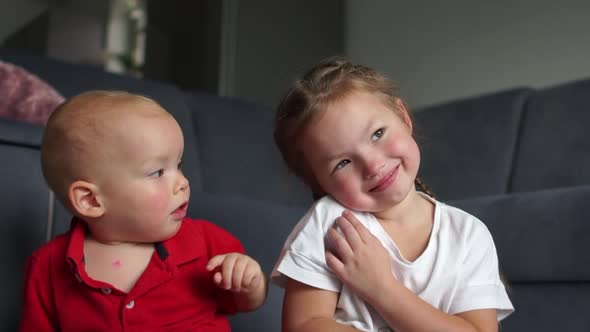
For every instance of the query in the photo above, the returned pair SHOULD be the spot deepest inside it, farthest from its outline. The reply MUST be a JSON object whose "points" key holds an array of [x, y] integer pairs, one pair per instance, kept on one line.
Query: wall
{"points": [[77, 31], [276, 41], [16, 14], [441, 50]]}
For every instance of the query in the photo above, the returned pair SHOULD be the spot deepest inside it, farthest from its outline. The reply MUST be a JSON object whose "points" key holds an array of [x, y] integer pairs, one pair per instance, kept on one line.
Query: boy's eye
{"points": [[341, 164], [377, 134], [159, 173]]}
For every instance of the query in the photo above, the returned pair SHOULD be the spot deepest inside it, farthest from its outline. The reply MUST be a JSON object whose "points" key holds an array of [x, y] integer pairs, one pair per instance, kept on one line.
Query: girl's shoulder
{"points": [[462, 224], [322, 215]]}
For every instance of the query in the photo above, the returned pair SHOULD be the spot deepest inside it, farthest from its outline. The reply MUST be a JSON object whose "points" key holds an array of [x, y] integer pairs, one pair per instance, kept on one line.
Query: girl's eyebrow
{"points": [[371, 123]]}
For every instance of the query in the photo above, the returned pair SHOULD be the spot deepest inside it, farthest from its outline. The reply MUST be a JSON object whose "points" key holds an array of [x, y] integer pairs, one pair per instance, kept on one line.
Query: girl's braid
{"points": [[423, 187]]}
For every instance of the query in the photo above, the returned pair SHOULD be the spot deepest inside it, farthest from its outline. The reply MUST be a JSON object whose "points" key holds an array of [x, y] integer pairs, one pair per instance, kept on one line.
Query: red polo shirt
{"points": [[174, 293]]}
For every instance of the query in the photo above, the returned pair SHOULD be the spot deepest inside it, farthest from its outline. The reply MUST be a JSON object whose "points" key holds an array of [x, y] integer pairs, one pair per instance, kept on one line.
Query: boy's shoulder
{"points": [[54, 247], [213, 236], [203, 227]]}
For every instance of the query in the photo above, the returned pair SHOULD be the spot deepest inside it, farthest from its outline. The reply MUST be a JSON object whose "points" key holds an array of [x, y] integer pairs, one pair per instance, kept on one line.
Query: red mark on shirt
{"points": [[117, 263]]}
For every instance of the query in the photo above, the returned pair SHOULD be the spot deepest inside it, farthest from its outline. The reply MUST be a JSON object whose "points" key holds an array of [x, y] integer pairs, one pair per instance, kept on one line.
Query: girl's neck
{"points": [[410, 209]]}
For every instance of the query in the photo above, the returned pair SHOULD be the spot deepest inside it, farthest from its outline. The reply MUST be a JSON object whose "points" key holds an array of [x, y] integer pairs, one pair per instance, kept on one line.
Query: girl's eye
{"points": [[377, 134], [341, 164], [159, 173], [180, 165]]}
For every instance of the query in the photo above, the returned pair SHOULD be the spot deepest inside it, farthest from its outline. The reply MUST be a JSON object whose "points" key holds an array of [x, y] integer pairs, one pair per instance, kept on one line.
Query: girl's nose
{"points": [[372, 167]]}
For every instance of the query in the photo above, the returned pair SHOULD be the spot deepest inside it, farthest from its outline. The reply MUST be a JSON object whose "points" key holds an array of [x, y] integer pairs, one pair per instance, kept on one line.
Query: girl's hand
{"points": [[358, 258]]}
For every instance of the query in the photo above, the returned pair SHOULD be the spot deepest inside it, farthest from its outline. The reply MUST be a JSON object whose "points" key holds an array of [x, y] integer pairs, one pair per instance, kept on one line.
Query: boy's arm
{"points": [[37, 311], [307, 308], [252, 300]]}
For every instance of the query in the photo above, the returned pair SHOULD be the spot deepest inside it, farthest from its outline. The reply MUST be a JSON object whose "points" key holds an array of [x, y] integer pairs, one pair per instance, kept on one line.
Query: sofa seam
{"points": [[526, 101]]}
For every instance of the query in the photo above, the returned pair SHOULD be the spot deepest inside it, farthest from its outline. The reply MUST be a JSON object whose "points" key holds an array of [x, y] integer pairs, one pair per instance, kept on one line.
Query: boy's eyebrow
{"points": [[159, 159]]}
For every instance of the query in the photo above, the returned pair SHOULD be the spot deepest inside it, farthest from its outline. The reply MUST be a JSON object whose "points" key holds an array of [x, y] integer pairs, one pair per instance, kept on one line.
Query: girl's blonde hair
{"points": [[328, 82]]}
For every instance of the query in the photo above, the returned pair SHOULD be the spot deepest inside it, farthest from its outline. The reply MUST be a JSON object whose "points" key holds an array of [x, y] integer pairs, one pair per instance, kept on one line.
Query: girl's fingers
{"points": [[350, 232], [362, 231], [334, 263], [339, 246]]}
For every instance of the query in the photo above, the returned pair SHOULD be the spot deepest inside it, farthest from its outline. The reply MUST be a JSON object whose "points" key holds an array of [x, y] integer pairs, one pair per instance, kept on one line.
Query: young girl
{"points": [[374, 254]]}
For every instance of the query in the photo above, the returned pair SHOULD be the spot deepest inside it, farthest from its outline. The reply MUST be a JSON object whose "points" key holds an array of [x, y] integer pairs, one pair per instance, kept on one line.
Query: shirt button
{"points": [[130, 305], [105, 291]]}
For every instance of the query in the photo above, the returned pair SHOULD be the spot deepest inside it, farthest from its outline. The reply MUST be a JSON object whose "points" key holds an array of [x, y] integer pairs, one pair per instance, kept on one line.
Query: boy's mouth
{"points": [[385, 181], [180, 212]]}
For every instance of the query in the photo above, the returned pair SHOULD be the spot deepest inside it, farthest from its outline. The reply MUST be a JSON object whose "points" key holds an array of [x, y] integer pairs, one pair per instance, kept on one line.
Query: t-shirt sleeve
{"points": [[303, 255], [480, 285]]}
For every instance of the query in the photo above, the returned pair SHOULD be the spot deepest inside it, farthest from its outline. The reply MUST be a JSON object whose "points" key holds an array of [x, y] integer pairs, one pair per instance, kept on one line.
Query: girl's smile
{"points": [[386, 181]]}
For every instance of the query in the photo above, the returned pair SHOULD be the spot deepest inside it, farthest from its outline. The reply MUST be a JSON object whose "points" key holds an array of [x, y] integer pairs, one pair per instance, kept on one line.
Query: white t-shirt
{"points": [[457, 272]]}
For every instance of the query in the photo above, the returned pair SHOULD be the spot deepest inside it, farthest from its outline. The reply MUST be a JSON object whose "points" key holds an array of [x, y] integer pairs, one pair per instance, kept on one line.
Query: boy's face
{"points": [[362, 153], [143, 189]]}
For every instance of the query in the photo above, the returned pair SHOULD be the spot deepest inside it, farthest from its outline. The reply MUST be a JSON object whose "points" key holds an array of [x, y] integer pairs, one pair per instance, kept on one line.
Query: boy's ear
{"points": [[403, 113], [84, 199]]}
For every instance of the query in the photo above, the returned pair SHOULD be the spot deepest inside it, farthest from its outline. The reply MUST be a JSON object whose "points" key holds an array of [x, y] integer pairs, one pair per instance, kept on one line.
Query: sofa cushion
{"points": [[543, 249], [548, 307], [554, 147], [540, 236], [70, 79], [237, 150], [262, 227], [24, 212], [468, 146]]}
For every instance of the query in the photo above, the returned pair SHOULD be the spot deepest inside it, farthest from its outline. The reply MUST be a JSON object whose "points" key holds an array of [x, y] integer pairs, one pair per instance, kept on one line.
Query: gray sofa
{"points": [[517, 159]]}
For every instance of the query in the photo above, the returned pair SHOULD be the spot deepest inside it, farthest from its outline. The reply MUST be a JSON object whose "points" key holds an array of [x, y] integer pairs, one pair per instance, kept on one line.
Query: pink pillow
{"points": [[24, 96]]}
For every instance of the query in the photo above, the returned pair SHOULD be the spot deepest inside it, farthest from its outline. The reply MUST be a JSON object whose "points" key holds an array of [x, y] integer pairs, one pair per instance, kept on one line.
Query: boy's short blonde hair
{"points": [[75, 137]]}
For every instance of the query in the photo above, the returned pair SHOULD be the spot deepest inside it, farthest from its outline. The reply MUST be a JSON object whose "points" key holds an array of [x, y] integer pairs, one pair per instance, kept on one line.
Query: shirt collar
{"points": [[186, 245]]}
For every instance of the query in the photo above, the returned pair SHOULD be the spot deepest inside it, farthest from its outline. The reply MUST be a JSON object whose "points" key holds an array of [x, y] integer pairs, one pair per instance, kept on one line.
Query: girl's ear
{"points": [[83, 197], [403, 113]]}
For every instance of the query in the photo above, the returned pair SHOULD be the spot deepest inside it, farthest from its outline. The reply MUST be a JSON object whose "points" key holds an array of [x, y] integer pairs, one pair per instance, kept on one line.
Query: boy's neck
{"points": [[119, 264], [121, 244]]}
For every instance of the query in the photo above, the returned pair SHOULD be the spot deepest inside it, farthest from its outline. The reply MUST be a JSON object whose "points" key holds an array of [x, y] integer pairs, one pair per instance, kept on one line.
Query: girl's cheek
{"points": [[347, 194], [402, 144], [396, 143]]}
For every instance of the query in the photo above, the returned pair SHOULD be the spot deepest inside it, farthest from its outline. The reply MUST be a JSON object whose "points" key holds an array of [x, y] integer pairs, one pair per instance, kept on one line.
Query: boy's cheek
{"points": [[158, 202]]}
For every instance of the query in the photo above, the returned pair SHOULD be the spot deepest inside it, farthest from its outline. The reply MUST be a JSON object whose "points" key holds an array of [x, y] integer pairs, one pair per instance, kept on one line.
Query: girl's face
{"points": [[362, 152]]}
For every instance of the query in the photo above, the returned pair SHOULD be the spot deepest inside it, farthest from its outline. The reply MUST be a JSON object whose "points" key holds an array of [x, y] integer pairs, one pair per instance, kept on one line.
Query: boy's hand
{"points": [[236, 272]]}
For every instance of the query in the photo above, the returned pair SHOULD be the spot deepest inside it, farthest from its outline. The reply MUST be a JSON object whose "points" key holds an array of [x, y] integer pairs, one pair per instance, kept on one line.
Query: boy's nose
{"points": [[181, 184]]}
